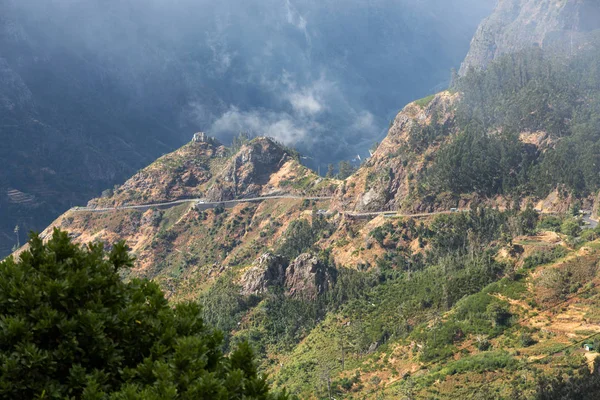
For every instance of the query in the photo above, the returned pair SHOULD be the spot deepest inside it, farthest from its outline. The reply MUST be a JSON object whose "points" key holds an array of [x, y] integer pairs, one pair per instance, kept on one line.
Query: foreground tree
{"points": [[70, 328]]}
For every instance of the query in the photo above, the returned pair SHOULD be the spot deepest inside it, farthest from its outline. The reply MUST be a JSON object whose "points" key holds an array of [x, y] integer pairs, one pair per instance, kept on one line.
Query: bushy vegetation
{"points": [[71, 328], [301, 235], [544, 257], [531, 91]]}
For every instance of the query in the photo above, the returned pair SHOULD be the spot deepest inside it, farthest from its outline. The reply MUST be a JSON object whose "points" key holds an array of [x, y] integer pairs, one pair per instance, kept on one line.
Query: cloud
{"points": [[305, 103], [311, 99], [280, 126], [294, 18], [222, 58], [365, 121]]}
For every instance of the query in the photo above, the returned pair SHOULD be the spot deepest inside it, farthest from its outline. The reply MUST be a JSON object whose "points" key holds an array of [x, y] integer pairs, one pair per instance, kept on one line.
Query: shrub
{"points": [[483, 344], [526, 340], [571, 228], [499, 314], [71, 328], [589, 235], [544, 257], [550, 223]]}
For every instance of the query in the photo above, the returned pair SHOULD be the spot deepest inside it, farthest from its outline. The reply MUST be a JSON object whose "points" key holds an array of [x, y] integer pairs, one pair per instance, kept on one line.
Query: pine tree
{"points": [[71, 328]]}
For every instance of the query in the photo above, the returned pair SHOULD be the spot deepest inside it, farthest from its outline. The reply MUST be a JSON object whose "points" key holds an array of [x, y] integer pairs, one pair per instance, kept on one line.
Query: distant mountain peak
{"points": [[205, 168], [519, 24]]}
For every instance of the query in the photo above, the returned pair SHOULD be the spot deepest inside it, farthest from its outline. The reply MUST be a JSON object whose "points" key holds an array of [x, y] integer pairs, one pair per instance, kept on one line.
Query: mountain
{"points": [[194, 238], [517, 25], [93, 91], [459, 261]]}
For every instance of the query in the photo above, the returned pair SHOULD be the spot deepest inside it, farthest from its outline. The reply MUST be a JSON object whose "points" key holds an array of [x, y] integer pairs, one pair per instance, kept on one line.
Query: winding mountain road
{"points": [[205, 205], [399, 215], [200, 203]]}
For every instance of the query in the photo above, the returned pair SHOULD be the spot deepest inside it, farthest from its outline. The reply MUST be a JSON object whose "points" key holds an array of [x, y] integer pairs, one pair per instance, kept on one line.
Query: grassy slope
{"points": [[556, 325]]}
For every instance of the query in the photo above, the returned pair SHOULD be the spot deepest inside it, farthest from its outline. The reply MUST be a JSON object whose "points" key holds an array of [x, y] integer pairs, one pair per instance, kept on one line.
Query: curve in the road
{"points": [[205, 204], [202, 202]]}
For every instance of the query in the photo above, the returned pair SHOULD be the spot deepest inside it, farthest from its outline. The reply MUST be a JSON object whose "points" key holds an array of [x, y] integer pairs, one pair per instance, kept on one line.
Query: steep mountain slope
{"points": [[206, 169], [388, 180], [507, 340], [523, 130], [191, 242], [449, 305], [519, 24], [92, 91]]}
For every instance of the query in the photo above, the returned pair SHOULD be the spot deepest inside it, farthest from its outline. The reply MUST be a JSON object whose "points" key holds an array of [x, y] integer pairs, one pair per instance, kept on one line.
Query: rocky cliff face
{"points": [[267, 271], [179, 242], [518, 24], [90, 94], [249, 170], [388, 178], [304, 278]]}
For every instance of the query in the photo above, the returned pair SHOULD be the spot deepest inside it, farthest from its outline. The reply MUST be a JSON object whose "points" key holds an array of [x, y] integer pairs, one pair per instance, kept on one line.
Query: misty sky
{"points": [[323, 75]]}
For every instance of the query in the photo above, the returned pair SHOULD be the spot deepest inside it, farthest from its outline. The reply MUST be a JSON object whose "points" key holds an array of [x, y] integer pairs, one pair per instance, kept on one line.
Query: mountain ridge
{"points": [[493, 297], [518, 24]]}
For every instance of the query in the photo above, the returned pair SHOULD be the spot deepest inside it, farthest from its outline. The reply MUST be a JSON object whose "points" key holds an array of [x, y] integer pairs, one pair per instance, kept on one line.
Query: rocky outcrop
{"points": [[248, 170], [267, 271], [307, 277], [181, 174], [519, 24], [204, 168], [388, 177]]}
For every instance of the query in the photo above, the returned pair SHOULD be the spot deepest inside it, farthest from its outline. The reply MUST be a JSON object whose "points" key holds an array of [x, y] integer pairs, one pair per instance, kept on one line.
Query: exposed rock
{"points": [[199, 137], [151, 218], [267, 271], [306, 277], [384, 181], [209, 170], [519, 24], [248, 170]]}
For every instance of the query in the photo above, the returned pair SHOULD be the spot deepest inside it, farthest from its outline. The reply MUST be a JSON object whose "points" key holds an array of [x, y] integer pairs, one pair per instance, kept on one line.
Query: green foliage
{"points": [[464, 233], [486, 164], [298, 238], [492, 361], [550, 223], [301, 235], [423, 136], [529, 219], [223, 306], [499, 313], [589, 235], [578, 384], [571, 227], [285, 321], [424, 102], [526, 340], [530, 91], [557, 284], [70, 328], [330, 171], [544, 257]]}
